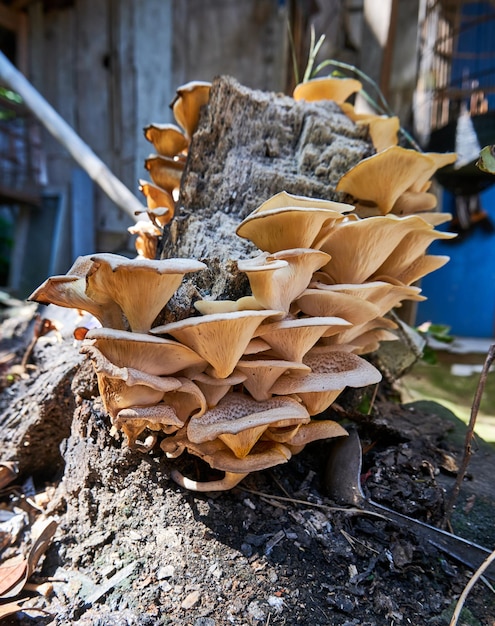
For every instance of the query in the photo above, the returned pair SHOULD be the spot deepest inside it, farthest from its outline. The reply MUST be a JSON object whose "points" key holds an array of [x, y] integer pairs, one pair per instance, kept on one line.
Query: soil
{"points": [[134, 548]]}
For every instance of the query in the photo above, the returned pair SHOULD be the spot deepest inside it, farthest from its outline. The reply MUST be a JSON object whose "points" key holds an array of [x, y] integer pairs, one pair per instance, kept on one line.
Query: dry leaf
{"points": [[8, 473], [12, 572], [9, 609]]}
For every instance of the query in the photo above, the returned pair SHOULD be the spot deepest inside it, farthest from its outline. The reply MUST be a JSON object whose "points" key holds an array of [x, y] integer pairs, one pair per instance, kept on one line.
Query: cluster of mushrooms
{"points": [[244, 383]]}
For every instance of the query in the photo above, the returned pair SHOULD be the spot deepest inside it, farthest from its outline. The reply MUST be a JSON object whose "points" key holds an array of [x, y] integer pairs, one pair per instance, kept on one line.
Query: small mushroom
{"points": [[246, 303], [219, 338], [187, 104], [133, 421], [239, 421], [327, 303], [167, 139], [164, 171], [214, 389], [277, 279], [141, 287], [147, 238], [261, 374], [327, 88]]}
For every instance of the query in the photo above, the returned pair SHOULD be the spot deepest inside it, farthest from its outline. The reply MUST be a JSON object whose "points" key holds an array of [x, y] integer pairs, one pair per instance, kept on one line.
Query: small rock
{"points": [[191, 600], [256, 612]]}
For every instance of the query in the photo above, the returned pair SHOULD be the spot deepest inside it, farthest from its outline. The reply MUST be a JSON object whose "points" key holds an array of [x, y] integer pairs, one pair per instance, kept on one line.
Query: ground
{"points": [[134, 548]]}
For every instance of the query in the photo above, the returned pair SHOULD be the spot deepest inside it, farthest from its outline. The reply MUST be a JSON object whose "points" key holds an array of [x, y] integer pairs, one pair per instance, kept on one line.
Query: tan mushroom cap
{"points": [[384, 131], [164, 171], [156, 197], [411, 248], [380, 179], [219, 338], [154, 355], [285, 200], [314, 431], [277, 279], [359, 248], [422, 266], [361, 336], [239, 421], [440, 159], [124, 387], [141, 287], [214, 389], [187, 104], [330, 372], [70, 292], [326, 303], [187, 401], [147, 238], [261, 374], [167, 139], [286, 228], [134, 420], [292, 338], [327, 88], [385, 295]]}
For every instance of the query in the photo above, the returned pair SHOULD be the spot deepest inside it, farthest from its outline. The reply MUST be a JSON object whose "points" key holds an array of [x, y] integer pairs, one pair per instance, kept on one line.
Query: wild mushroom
{"points": [[277, 279], [292, 338], [133, 421], [327, 88], [69, 291], [147, 238], [330, 373], [125, 387], [160, 203], [187, 400], [154, 355], [239, 421], [359, 248], [167, 139], [219, 338], [164, 171], [246, 303], [187, 104], [141, 287], [380, 179], [214, 389], [260, 374], [328, 303]]}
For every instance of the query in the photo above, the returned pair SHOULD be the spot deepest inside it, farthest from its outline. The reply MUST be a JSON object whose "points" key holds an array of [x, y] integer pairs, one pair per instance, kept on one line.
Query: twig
{"points": [[469, 436], [474, 578]]}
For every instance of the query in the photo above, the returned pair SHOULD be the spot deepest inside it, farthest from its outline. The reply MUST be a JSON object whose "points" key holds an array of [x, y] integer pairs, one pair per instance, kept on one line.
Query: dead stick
{"points": [[469, 436]]}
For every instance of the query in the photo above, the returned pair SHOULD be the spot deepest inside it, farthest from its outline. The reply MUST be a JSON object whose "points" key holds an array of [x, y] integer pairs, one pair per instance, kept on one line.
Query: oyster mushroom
{"points": [[165, 172], [330, 374], [239, 421], [141, 287], [327, 88], [261, 374], [219, 338], [277, 279], [167, 139], [187, 104]]}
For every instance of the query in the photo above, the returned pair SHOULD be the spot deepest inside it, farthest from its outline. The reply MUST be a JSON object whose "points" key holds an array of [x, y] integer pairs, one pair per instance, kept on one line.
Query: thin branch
{"points": [[474, 579], [469, 436], [292, 46]]}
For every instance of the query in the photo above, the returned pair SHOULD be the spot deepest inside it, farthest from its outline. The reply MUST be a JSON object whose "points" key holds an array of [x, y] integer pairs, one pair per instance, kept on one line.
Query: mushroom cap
{"points": [[314, 431], [147, 238], [327, 88], [214, 389], [164, 171], [288, 227], [381, 178], [384, 130], [187, 401], [440, 159], [285, 200], [239, 421], [330, 372], [69, 291], [141, 287], [246, 303], [410, 202], [134, 420], [261, 374], [277, 279], [154, 355], [292, 338], [167, 139], [219, 338], [187, 104], [325, 302], [360, 247]]}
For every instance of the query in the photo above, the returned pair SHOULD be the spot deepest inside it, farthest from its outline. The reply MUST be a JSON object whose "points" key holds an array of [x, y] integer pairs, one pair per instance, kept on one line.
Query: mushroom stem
{"points": [[227, 482]]}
